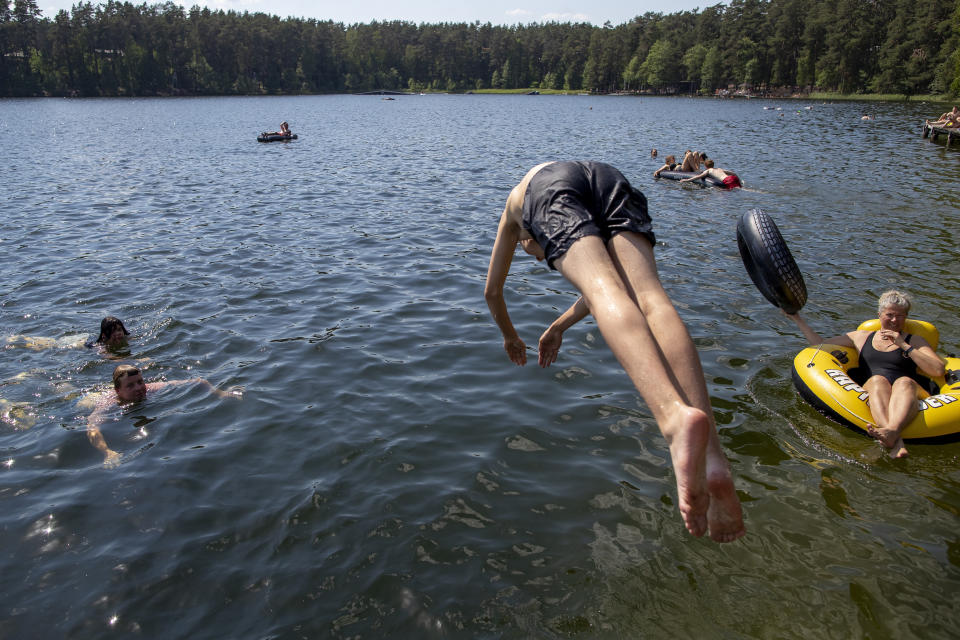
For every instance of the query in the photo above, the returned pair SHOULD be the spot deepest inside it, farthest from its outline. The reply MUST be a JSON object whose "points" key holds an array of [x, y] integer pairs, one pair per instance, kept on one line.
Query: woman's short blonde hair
{"points": [[894, 298]]}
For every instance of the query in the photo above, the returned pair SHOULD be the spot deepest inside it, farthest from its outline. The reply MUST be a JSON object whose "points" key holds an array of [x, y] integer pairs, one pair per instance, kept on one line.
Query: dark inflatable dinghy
{"points": [[275, 137]]}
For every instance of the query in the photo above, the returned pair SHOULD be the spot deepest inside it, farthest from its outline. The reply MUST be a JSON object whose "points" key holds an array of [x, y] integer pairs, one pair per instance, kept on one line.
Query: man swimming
{"points": [[129, 387], [587, 222]]}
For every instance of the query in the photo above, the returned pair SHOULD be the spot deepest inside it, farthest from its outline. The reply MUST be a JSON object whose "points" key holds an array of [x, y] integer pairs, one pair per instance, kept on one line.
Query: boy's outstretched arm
{"points": [[550, 341], [500, 258], [696, 177]]}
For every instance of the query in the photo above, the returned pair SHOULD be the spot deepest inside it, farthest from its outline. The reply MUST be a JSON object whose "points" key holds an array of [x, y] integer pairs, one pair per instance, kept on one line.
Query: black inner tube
{"points": [[680, 175], [769, 262]]}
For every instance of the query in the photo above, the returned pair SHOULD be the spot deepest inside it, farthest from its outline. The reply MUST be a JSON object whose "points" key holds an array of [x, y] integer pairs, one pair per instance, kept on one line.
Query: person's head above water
{"points": [[128, 383], [112, 332]]}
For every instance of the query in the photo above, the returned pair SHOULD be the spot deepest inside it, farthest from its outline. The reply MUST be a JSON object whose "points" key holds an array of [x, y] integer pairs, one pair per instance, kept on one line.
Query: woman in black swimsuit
{"points": [[890, 360]]}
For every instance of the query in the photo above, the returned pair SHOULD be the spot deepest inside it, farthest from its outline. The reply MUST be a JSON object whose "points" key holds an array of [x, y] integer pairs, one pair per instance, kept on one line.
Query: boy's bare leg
{"points": [[633, 257], [687, 429]]}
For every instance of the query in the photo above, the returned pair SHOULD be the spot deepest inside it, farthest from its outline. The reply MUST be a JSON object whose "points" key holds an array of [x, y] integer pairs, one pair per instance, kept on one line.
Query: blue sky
{"points": [[494, 11]]}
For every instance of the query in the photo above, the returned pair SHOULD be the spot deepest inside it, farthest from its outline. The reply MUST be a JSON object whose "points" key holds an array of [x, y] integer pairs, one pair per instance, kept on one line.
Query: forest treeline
{"points": [[904, 47]]}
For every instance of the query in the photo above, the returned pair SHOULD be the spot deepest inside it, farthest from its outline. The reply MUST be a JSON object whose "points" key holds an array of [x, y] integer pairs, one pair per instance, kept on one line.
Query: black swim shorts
{"points": [[566, 201]]}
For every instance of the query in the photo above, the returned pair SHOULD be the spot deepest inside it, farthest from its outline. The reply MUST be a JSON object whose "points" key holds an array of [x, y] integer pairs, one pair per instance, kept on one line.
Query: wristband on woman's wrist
{"points": [[906, 352]]}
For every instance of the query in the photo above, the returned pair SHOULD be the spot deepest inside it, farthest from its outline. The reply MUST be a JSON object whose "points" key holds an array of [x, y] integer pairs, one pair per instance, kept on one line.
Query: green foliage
{"points": [[907, 47], [950, 71], [631, 75], [693, 61], [711, 71], [660, 66]]}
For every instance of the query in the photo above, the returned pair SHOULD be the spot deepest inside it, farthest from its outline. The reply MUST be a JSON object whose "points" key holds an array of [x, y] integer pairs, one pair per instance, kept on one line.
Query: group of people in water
{"points": [[128, 384], [587, 222], [697, 163]]}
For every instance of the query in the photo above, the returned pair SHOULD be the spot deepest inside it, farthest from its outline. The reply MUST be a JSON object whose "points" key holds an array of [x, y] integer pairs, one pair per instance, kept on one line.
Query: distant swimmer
{"points": [[129, 387], [112, 335], [589, 223], [729, 179], [669, 165]]}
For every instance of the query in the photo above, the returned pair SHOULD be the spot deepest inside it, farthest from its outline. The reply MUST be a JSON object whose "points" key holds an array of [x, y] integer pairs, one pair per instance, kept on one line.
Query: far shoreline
{"points": [[814, 95]]}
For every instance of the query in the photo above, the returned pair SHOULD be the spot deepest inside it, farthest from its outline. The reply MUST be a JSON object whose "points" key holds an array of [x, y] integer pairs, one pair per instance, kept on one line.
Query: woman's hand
{"points": [[516, 350], [888, 335]]}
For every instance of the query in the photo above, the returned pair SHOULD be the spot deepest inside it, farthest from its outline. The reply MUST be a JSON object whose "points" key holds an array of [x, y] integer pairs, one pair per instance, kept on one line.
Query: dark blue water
{"points": [[388, 472]]}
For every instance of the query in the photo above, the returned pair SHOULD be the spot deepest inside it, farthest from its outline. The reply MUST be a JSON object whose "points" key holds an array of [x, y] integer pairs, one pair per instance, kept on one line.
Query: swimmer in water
{"points": [[729, 179], [589, 223], [112, 335], [129, 387], [670, 165]]}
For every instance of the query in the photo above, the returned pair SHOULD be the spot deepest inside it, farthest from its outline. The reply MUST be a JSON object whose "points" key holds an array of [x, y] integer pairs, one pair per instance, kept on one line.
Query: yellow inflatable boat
{"points": [[821, 376]]}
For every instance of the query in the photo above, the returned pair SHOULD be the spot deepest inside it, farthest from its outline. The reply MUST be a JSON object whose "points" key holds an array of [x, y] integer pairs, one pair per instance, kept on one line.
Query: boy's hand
{"points": [[516, 350], [549, 347]]}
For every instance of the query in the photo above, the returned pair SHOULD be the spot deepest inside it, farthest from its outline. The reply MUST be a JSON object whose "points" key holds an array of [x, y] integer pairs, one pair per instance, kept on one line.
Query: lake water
{"points": [[388, 472]]}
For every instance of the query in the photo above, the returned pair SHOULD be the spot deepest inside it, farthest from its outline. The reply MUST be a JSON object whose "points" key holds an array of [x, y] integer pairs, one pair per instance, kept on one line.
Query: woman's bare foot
{"points": [[899, 449], [887, 437], [688, 446]]}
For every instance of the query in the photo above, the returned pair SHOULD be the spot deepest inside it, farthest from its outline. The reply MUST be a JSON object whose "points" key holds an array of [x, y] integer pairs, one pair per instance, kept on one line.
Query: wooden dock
{"points": [[934, 131]]}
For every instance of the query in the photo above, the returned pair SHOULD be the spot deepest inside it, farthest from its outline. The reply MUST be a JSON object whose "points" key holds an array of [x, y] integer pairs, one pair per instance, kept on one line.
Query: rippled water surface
{"points": [[388, 472]]}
